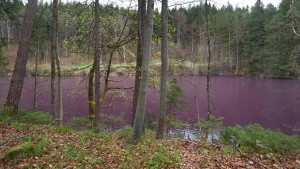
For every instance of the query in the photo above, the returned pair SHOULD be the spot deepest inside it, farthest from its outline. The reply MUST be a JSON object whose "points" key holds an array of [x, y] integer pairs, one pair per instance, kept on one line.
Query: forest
{"points": [[149, 85]]}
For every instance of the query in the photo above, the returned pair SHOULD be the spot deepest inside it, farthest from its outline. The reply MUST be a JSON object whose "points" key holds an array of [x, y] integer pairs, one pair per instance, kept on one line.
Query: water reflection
{"points": [[271, 103]]}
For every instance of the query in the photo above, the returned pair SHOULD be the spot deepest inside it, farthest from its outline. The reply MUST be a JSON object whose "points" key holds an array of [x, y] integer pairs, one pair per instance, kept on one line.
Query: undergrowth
{"points": [[254, 138], [32, 117]]}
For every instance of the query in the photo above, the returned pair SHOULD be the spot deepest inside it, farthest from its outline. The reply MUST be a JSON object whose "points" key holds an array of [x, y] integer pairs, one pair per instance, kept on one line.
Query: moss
{"points": [[29, 148]]}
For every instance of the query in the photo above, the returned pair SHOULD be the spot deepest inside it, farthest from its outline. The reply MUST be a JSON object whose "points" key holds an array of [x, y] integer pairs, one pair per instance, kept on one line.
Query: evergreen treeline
{"points": [[261, 40]]}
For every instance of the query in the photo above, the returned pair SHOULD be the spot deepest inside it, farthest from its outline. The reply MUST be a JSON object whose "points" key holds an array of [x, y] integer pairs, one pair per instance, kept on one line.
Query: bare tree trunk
{"points": [[164, 69], [208, 62], [2, 31], [237, 48], [46, 54], [139, 57], [35, 74], [124, 54], [58, 66], [294, 22], [54, 54], [36, 62], [16, 84], [66, 34], [141, 103], [59, 87], [97, 61], [8, 35], [229, 50], [91, 97]]}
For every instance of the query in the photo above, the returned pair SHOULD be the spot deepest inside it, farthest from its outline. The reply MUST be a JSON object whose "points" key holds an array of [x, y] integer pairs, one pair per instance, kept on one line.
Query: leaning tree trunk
{"points": [[164, 69], [139, 57], [16, 84], [138, 125], [97, 61]]}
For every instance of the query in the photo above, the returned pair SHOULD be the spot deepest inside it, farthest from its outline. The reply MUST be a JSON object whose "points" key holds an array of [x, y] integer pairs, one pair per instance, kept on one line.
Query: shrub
{"points": [[254, 138], [35, 117], [3, 58], [211, 127], [78, 123], [151, 124], [125, 132]]}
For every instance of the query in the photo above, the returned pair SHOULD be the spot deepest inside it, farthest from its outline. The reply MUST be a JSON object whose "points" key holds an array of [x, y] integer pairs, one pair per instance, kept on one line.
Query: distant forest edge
{"points": [[261, 40]]}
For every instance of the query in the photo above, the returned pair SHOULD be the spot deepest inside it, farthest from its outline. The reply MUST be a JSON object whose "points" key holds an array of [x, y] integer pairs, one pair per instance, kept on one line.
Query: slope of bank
{"points": [[41, 146]]}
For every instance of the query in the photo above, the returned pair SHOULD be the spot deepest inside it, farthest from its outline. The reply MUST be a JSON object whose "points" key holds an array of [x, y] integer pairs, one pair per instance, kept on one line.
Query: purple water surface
{"points": [[240, 100]]}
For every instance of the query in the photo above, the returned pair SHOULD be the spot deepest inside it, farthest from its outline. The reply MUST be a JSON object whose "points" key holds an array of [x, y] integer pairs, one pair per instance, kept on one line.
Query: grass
{"points": [[32, 117], [83, 68], [43, 146], [31, 147], [254, 138], [61, 147]]}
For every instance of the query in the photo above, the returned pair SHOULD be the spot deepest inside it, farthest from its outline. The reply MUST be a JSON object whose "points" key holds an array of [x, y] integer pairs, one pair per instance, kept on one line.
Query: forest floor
{"points": [[42, 146]]}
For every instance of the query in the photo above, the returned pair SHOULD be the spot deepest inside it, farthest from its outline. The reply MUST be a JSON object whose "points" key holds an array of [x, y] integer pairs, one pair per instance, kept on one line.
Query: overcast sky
{"points": [[241, 3], [218, 3]]}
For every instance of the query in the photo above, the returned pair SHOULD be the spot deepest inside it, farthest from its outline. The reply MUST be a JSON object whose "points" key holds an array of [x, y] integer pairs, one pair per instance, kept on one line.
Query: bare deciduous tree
{"points": [[97, 60], [16, 84], [209, 60], [138, 125], [164, 69], [139, 57], [54, 53]]}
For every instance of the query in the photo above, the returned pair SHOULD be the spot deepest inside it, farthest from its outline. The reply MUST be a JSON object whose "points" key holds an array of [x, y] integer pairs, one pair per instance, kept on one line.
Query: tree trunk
{"points": [[59, 87], [37, 54], [139, 57], [97, 61], [54, 54], [237, 48], [16, 84], [58, 65], [35, 75], [141, 103], [2, 31], [91, 97], [8, 34], [208, 62], [164, 69]]}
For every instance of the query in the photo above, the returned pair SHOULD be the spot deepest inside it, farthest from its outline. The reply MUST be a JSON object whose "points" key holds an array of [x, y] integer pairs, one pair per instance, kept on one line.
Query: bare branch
{"points": [[294, 22]]}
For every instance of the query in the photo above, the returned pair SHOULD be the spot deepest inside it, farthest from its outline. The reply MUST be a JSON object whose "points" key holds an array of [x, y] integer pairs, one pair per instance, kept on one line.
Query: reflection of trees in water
{"points": [[76, 94], [286, 109], [40, 92], [294, 129]]}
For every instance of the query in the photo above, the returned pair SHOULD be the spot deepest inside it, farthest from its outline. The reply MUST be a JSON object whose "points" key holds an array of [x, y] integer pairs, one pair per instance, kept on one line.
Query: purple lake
{"points": [[240, 100]]}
